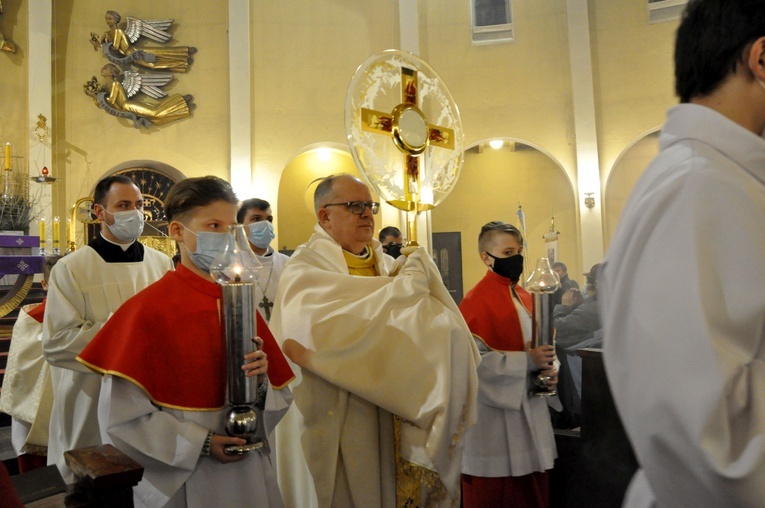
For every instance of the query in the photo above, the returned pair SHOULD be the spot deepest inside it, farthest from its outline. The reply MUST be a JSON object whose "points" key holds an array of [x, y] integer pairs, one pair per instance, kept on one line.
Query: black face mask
{"points": [[510, 268], [393, 249]]}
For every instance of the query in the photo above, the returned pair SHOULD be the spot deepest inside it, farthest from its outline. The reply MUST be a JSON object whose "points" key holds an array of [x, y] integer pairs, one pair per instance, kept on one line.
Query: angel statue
{"points": [[117, 44], [6, 44], [116, 97]]}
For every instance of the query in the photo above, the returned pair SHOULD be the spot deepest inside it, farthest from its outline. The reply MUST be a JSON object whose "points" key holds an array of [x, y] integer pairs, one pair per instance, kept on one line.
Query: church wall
{"points": [[304, 55], [89, 142], [518, 90], [633, 76], [13, 79], [491, 186]]}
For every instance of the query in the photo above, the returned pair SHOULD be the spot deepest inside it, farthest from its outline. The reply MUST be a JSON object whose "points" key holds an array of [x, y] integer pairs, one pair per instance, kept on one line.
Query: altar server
{"points": [[85, 288], [511, 447], [163, 354], [256, 215]]}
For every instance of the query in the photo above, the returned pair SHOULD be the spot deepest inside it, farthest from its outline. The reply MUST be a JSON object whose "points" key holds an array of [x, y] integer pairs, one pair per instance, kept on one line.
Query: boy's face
{"points": [[503, 245], [213, 218]]}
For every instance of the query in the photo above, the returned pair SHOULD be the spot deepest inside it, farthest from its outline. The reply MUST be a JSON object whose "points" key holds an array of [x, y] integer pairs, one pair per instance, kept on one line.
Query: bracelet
{"points": [[206, 447]]}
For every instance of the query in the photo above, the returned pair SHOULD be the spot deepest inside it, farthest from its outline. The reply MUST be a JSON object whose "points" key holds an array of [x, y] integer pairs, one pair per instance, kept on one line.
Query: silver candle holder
{"points": [[542, 283], [236, 270]]}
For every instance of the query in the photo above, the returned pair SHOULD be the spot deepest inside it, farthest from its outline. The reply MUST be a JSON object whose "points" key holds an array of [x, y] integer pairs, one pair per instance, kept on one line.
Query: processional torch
{"points": [[236, 270], [405, 133], [542, 283]]}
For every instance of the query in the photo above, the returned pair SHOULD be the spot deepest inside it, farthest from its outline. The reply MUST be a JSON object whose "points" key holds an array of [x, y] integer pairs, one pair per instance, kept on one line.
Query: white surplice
{"points": [[27, 395], [682, 295], [513, 435], [82, 292], [268, 279], [375, 346], [167, 443]]}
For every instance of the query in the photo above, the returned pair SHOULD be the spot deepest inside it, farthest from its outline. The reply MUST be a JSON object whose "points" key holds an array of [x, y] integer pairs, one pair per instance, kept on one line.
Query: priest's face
{"points": [[121, 197], [353, 232]]}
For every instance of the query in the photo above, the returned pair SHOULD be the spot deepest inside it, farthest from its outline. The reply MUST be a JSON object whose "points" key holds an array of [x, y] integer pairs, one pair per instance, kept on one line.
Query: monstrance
{"points": [[405, 133]]}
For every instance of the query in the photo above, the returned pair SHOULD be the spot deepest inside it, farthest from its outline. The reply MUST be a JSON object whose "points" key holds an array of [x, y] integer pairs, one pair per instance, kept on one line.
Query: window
{"points": [[492, 21], [665, 10]]}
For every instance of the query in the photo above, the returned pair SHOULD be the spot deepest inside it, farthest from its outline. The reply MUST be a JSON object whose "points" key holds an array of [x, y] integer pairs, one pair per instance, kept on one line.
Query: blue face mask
{"points": [[209, 245], [261, 234]]}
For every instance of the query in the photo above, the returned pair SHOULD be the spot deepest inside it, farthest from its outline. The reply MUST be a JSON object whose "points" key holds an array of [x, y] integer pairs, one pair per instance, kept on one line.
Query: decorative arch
{"points": [[623, 175], [492, 185], [296, 218]]}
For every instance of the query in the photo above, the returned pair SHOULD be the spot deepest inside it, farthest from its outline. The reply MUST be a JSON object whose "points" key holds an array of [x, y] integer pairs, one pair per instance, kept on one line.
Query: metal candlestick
{"points": [[542, 283], [236, 270], [239, 323]]}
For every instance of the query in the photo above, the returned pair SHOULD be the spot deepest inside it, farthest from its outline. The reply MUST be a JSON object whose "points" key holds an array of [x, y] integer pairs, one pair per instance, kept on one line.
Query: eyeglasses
{"points": [[358, 207]]}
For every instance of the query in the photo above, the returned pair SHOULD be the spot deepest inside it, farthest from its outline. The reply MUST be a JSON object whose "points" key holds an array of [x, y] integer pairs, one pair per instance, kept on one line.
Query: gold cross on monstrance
{"points": [[412, 134]]}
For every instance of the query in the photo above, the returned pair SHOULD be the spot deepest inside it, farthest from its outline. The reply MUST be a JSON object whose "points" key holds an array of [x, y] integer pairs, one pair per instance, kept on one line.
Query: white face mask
{"points": [[261, 234], [128, 225]]}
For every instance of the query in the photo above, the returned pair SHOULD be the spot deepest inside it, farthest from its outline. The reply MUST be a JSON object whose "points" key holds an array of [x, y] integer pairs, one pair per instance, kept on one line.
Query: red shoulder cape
{"points": [[38, 312], [168, 340], [491, 315]]}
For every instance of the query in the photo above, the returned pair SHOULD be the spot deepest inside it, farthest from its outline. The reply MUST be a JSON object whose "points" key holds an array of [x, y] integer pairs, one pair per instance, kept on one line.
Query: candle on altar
{"points": [[69, 234], [42, 233], [7, 164], [56, 232]]}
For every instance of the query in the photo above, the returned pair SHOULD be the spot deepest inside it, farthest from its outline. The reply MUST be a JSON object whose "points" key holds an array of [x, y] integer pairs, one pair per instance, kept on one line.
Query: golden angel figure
{"points": [[117, 44], [116, 97]]}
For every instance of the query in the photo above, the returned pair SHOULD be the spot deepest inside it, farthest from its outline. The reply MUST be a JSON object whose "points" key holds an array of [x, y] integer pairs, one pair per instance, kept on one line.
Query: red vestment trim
{"points": [[491, 314], [168, 340], [38, 312]]}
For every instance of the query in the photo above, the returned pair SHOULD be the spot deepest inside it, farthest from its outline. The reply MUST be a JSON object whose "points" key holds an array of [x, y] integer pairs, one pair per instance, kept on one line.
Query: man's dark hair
{"points": [[389, 231], [103, 187], [194, 192], [711, 42], [249, 204], [491, 229], [560, 265]]}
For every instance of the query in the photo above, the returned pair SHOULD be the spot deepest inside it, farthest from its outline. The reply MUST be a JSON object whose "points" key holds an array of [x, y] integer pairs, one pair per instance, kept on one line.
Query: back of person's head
{"points": [[195, 192], [592, 277], [105, 184], [560, 265], [491, 229], [711, 41], [389, 231], [249, 204], [48, 264]]}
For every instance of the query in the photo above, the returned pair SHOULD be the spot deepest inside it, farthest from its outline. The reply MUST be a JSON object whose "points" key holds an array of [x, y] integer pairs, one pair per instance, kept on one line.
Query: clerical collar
{"points": [[123, 246], [116, 253]]}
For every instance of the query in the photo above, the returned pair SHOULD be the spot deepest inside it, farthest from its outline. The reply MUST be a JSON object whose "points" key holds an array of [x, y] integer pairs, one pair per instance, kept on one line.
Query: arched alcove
{"points": [[623, 176], [296, 218], [492, 185]]}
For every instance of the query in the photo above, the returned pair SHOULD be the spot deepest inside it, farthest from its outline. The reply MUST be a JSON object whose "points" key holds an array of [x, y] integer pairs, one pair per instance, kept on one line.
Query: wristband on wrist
{"points": [[206, 447]]}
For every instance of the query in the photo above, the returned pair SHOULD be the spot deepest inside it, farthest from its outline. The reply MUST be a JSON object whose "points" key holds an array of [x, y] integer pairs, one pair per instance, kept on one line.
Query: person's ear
{"points": [[323, 216], [756, 60], [486, 259], [175, 231], [98, 211]]}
